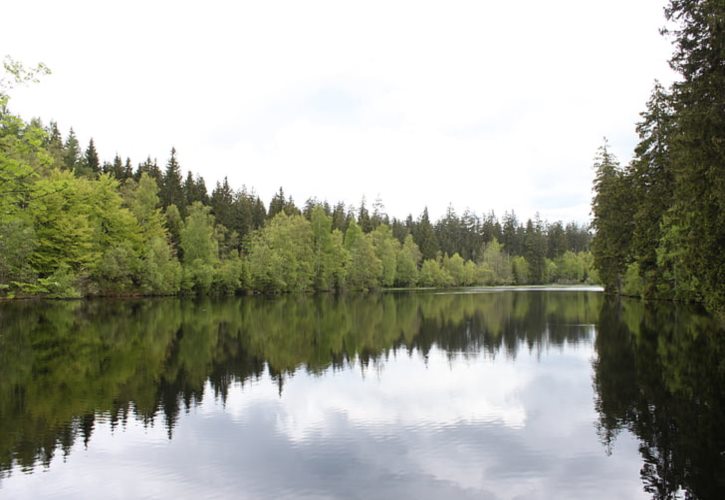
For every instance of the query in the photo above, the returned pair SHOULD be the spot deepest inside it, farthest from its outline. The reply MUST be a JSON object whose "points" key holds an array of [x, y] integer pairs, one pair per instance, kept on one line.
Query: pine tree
{"points": [[150, 167], [277, 204], [612, 210], [54, 144], [72, 152], [425, 237], [363, 218], [697, 225], [171, 190], [90, 165], [653, 181], [510, 236], [222, 204], [339, 217], [448, 232], [116, 168], [127, 169], [535, 250]]}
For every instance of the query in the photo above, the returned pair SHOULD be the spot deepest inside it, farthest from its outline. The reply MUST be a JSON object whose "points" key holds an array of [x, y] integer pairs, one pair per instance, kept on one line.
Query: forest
{"points": [[659, 221], [73, 226]]}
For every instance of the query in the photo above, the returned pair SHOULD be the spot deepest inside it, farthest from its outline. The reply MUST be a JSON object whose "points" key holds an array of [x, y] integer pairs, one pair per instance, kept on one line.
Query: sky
{"points": [[480, 105]]}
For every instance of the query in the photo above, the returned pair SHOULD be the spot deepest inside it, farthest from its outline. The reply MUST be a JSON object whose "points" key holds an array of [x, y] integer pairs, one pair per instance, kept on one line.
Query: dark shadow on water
{"points": [[660, 373]]}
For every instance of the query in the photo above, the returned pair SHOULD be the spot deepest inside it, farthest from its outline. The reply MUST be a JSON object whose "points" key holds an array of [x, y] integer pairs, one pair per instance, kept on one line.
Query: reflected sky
{"points": [[409, 424]]}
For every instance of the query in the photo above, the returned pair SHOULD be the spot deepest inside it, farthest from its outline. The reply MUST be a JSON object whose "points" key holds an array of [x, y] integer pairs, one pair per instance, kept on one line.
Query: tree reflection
{"points": [[66, 365], [660, 373]]}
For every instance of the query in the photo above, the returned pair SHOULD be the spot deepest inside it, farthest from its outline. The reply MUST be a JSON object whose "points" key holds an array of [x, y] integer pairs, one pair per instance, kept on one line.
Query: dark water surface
{"points": [[503, 394]]}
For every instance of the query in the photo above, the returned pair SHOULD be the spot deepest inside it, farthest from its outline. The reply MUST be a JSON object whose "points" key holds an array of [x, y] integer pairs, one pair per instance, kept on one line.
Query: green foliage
{"points": [[16, 74], [365, 268], [409, 256], [425, 237], [455, 267], [61, 284], [535, 251], [17, 243], [520, 270], [612, 210], [197, 236], [60, 210], [632, 282], [571, 268], [281, 255], [666, 212], [697, 148], [200, 249], [432, 275], [230, 276], [496, 265], [386, 249], [653, 182], [175, 225], [160, 272], [330, 257]]}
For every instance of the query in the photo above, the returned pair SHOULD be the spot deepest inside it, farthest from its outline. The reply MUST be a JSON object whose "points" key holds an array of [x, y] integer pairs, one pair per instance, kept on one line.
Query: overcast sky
{"points": [[486, 105]]}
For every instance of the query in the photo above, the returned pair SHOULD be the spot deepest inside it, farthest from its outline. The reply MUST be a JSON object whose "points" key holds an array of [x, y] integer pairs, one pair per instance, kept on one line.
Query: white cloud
{"points": [[486, 105], [406, 392]]}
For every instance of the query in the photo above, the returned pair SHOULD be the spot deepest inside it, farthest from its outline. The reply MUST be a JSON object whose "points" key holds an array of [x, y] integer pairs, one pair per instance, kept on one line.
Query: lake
{"points": [[476, 393]]}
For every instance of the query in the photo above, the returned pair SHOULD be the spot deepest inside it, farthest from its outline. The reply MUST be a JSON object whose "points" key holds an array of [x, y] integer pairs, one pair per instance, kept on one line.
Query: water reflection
{"points": [[660, 374], [393, 395]]}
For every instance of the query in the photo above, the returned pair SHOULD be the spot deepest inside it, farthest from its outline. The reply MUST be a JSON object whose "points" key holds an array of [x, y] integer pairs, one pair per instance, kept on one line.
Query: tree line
{"points": [[659, 221], [72, 225]]}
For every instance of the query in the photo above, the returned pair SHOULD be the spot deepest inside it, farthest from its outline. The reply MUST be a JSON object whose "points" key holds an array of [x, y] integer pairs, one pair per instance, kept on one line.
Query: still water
{"points": [[469, 394]]}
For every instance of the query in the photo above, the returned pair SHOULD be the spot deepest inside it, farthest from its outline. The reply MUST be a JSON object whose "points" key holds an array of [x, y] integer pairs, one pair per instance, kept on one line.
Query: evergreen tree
{"points": [[54, 144], [612, 210], [400, 230], [363, 218], [425, 236], [535, 250], [339, 217], [90, 166], [222, 204], [127, 169], [471, 236], [72, 152], [115, 169], [150, 167], [653, 183], [556, 243], [171, 189], [175, 224], [379, 216], [195, 189], [510, 236], [277, 204], [448, 232], [697, 224]]}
